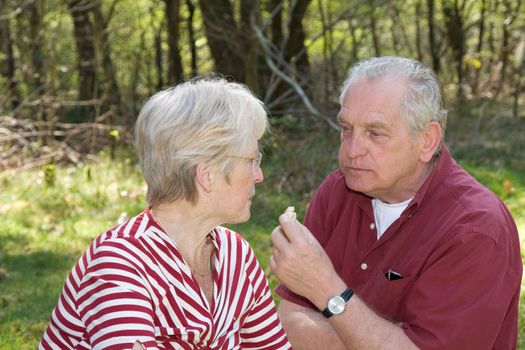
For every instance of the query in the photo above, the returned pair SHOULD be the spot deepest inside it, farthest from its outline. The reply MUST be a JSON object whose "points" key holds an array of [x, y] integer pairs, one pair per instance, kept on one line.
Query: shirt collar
{"points": [[441, 169], [440, 172]]}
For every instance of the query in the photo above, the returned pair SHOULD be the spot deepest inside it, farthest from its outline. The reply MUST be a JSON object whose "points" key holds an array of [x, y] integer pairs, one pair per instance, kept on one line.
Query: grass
{"points": [[52, 214]]}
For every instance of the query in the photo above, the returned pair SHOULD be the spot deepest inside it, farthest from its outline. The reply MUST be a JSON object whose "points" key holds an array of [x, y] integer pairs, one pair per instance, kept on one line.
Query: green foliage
{"points": [[338, 33], [55, 212]]}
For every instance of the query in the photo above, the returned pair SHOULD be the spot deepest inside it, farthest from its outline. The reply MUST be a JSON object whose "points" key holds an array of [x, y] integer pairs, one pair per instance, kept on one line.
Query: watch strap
{"points": [[346, 295]]}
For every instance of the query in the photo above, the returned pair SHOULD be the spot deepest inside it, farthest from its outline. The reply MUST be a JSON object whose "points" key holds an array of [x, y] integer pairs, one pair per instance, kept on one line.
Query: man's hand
{"points": [[302, 265], [300, 262]]}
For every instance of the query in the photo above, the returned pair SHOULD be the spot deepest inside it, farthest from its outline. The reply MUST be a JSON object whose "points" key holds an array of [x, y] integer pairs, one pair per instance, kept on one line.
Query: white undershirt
{"points": [[385, 214]]}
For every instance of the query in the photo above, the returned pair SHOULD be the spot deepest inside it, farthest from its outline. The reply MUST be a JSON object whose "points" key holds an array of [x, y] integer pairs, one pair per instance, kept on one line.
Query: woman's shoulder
{"points": [[124, 237], [230, 240], [224, 233]]}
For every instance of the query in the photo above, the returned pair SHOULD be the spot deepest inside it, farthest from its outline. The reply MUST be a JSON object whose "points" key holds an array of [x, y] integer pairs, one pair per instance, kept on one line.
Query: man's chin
{"points": [[351, 185]]}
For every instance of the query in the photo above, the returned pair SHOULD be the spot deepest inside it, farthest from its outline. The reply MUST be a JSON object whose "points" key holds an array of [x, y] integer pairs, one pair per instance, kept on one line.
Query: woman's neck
{"points": [[188, 226]]}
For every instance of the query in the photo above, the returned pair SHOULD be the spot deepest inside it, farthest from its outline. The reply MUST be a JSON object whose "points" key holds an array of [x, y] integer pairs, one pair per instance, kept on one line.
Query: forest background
{"points": [[74, 74]]}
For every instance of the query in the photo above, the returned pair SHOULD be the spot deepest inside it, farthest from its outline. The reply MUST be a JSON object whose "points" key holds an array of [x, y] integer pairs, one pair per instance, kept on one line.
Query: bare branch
{"points": [[21, 147], [298, 89]]}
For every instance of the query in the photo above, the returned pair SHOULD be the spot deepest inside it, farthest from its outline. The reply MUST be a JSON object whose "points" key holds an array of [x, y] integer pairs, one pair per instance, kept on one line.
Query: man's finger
{"points": [[293, 229], [273, 265], [279, 239]]}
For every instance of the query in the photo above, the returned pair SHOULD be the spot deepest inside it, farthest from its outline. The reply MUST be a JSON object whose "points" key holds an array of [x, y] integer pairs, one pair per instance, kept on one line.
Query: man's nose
{"points": [[353, 147]]}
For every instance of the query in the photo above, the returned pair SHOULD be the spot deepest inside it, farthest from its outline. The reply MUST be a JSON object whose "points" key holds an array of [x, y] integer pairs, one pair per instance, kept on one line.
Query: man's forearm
{"points": [[360, 327], [307, 329]]}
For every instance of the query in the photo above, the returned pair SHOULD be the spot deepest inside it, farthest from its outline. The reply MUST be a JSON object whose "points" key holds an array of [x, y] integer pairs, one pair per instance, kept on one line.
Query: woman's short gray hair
{"points": [[422, 102], [200, 120]]}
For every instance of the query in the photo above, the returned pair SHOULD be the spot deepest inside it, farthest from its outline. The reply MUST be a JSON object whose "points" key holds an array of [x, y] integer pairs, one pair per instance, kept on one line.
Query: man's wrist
{"points": [[327, 292], [337, 304]]}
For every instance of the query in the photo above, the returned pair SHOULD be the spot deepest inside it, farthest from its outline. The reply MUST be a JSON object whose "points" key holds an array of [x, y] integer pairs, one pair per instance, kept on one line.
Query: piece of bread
{"points": [[290, 211]]}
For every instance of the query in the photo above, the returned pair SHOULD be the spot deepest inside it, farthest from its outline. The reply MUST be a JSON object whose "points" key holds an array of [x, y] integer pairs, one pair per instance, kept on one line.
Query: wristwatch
{"points": [[336, 305]]}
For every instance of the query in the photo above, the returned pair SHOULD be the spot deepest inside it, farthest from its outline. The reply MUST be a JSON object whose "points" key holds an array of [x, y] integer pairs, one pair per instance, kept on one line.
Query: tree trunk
{"points": [[191, 37], [248, 10], [159, 66], [373, 27], [295, 50], [405, 41], [276, 10], [158, 60], [479, 48], [491, 43], [455, 33], [8, 67], [36, 9], [330, 71], [224, 39], [294, 56], [418, 32], [355, 48], [520, 77], [434, 49], [396, 46], [510, 15], [111, 90], [37, 83], [175, 71], [83, 31]]}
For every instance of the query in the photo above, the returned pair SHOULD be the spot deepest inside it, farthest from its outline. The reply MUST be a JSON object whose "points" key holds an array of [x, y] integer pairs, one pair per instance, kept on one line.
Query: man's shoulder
{"points": [[472, 204], [462, 188]]}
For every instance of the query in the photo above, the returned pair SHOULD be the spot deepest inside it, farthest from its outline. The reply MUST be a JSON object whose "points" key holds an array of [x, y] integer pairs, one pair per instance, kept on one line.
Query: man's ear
{"points": [[430, 140], [204, 176]]}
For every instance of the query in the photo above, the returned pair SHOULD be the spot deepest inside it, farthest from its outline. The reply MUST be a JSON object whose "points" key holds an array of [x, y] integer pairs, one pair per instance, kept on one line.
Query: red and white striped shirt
{"points": [[132, 285]]}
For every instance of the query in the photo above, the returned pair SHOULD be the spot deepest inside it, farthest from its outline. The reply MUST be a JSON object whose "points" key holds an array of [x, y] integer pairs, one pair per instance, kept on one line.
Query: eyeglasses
{"points": [[256, 160]]}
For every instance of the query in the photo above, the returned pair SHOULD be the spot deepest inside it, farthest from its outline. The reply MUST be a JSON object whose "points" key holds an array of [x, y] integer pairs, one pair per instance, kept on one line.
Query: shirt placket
{"points": [[370, 260]]}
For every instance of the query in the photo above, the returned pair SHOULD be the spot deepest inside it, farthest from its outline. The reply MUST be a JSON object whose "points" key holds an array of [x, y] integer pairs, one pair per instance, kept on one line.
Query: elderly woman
{"points": [[172, 277]]}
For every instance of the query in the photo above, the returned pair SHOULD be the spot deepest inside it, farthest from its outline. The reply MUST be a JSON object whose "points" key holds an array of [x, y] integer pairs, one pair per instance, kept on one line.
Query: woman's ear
{"points": [[204, 176], [431, 139]]}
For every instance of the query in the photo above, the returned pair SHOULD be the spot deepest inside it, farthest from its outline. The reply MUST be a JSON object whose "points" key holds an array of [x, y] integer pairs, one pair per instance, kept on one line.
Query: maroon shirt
{"points": [[456, 247]]}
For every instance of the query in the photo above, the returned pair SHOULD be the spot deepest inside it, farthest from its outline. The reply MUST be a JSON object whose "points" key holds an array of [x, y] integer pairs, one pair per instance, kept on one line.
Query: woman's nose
{"points": [[259, 176]]}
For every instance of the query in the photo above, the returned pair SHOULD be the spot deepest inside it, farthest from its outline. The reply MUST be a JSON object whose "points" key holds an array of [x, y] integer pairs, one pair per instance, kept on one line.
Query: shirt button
{"points": [[372, 226], [364, 266]]}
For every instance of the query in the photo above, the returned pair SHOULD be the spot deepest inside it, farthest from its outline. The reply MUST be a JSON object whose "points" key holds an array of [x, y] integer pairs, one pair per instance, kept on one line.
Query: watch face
{"points": [[336, 305]]}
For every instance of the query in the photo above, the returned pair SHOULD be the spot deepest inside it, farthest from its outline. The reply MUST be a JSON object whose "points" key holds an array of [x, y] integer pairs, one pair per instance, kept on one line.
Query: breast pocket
{"points": [[387, 297]]}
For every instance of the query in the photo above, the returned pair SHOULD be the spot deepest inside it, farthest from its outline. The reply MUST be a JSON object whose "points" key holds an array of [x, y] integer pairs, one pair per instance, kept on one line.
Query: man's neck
{"points": [[408, 191]]}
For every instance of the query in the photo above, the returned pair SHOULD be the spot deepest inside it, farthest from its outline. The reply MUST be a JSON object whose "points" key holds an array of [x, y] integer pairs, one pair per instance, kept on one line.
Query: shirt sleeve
{"points": [[261, 328], [114, 304], [458, 302]]}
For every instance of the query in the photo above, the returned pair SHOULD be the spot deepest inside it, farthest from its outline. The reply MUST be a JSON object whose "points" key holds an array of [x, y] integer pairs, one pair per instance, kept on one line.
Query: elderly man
{"points": [[401, 248]]}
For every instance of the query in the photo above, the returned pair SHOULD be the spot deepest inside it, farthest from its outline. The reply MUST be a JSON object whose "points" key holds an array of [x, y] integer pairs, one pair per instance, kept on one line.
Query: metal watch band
{"points": [[346, 295]]}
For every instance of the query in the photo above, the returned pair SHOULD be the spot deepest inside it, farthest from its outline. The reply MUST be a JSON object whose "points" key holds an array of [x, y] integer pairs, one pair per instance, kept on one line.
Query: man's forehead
{"points": [[369, 119]]}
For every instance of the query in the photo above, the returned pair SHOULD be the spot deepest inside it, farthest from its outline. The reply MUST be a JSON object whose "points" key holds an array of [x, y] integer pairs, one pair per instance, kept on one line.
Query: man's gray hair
{"points": [[199, 120], [422, 102]]}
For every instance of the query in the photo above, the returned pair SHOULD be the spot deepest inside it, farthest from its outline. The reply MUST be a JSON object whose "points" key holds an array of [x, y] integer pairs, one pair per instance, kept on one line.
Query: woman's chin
{"points": [[243, 217]]}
